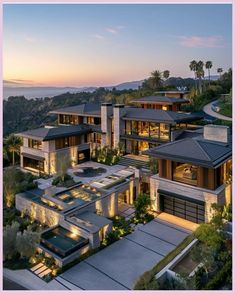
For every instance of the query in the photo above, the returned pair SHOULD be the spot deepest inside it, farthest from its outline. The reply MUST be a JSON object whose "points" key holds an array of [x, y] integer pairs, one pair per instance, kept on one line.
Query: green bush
{"points": [[108, 156], [67, 181], [223, 277], [142, 204]]}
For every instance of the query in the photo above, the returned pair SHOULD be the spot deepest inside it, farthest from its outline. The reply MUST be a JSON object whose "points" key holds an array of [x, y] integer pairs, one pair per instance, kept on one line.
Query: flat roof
{"points": [[81, 110], [89, 221], [50, 133], [197, 151], [160, 100]]}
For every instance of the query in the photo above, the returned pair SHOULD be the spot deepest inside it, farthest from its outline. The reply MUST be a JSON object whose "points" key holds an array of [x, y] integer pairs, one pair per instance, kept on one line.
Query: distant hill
{"points": [[133, 85], [29, 92]]}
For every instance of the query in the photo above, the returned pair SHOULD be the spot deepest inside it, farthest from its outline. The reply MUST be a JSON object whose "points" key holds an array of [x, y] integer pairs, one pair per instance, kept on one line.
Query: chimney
{"points": [[217, 133], [106, 123], [119, 125]]}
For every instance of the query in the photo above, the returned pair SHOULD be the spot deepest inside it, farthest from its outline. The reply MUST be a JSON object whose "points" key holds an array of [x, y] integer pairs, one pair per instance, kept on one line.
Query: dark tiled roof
{"points": [[193, 150], [83, 110], [160, 99], [55, 132], [190, 134], [157, 115]]}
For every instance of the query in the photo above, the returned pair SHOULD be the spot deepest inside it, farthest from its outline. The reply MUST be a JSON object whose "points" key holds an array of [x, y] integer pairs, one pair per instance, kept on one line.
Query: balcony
{"points": [[32, 151]]}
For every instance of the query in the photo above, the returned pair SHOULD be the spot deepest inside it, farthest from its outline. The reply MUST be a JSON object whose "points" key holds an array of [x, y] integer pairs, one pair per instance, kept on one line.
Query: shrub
{"points": [[9, 240], [111, 238], [66, 181], [142, 204]]}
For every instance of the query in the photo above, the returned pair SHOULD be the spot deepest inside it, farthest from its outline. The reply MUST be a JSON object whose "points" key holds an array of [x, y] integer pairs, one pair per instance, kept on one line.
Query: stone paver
{"points": [[124, 261], [159, 246], [164, 232], [118, 266], [86, 277], [109, 170]]}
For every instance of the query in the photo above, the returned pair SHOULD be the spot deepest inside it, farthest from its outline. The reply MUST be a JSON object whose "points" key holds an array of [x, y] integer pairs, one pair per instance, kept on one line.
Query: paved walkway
{"points": [[208, 110], [30, 281], [118, 266]]}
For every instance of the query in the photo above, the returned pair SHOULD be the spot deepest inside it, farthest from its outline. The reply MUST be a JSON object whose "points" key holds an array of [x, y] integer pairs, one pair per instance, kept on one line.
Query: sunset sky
{"points": [[101, 45]]}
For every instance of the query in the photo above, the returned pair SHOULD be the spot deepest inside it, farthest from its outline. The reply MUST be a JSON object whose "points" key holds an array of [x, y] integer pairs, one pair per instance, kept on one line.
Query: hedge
{"points": [[144, 281]]}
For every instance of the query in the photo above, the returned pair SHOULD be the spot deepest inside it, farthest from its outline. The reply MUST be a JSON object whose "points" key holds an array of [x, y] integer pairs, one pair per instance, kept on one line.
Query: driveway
{"points": [[118, 266], [208, 110]]}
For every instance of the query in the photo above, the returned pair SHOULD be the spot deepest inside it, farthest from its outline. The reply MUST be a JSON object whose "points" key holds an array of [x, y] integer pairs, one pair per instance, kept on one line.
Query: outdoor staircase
{"points": [[133, 162]]}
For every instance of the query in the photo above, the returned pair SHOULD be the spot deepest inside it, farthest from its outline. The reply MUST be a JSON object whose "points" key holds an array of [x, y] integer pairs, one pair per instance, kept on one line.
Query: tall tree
{"points": [[200, 74], [208, 66], [156, 79], [219, 70], [9, 240], [13, 144], [166, 74], [193, 67]]}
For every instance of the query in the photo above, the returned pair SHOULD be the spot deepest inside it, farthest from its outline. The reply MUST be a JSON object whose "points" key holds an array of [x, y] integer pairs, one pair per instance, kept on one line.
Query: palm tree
{"points": [[13, 144], [220, 70], [200, 74], [193, 67], [166, 74], [208, 67], [156, 79]]}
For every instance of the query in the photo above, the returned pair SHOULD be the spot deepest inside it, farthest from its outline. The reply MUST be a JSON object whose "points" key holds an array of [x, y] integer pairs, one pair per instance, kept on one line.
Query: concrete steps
{"points": [[126, 161]]}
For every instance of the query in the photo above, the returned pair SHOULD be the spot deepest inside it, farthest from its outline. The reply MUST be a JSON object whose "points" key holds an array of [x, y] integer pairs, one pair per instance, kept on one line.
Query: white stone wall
{"points": [[119, 124], [106, 125], [43, 214], [216, 132]]}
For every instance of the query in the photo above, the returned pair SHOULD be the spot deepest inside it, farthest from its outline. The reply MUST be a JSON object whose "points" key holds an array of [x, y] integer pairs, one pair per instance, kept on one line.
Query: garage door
{"points": [[193, 211]]}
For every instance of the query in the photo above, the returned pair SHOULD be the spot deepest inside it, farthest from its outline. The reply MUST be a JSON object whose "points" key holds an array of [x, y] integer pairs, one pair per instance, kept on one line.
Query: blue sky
{"points": [[74, 44]]}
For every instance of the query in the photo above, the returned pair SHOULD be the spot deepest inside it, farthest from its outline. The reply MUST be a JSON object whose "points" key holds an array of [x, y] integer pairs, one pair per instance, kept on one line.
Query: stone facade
{"points": [[118, 123], [106, 124], [51, 155], [189, 192], [43, 214]]}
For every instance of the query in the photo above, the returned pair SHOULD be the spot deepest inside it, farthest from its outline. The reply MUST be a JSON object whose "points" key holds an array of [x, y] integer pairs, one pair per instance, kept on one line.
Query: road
{"points": [[208, 110], [10, 285]]}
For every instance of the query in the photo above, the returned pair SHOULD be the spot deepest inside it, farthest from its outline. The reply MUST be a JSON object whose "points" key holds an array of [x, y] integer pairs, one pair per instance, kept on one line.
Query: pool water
{"points": [[62, 241]]}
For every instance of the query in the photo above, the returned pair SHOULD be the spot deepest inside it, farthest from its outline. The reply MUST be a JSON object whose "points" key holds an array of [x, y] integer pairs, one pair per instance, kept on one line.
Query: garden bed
{"points": [[90, 172]]}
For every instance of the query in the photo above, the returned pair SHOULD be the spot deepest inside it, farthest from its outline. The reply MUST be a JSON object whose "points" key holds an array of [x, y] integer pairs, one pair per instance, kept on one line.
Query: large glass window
{"points": [[128, 127], [154, 130], [135, 127], [69, 119], [144, 128], [185, 173], [33, 164], [65, 142], [35, 144], [164, 131]]}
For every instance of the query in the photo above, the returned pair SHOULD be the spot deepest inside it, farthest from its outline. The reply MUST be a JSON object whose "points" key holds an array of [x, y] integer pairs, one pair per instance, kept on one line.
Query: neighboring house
{"points": [[160, 102], [82, 128], [193, 174], [174, 93]]}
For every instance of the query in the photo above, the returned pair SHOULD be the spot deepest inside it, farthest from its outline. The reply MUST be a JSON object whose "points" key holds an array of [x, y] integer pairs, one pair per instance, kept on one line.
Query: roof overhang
{"points": [[30, 156], [96, 115], [193, 161]]}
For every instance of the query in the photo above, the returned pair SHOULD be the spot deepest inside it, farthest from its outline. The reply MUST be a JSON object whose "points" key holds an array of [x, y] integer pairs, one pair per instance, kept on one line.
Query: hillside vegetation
{"points": [[20, 114]]}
